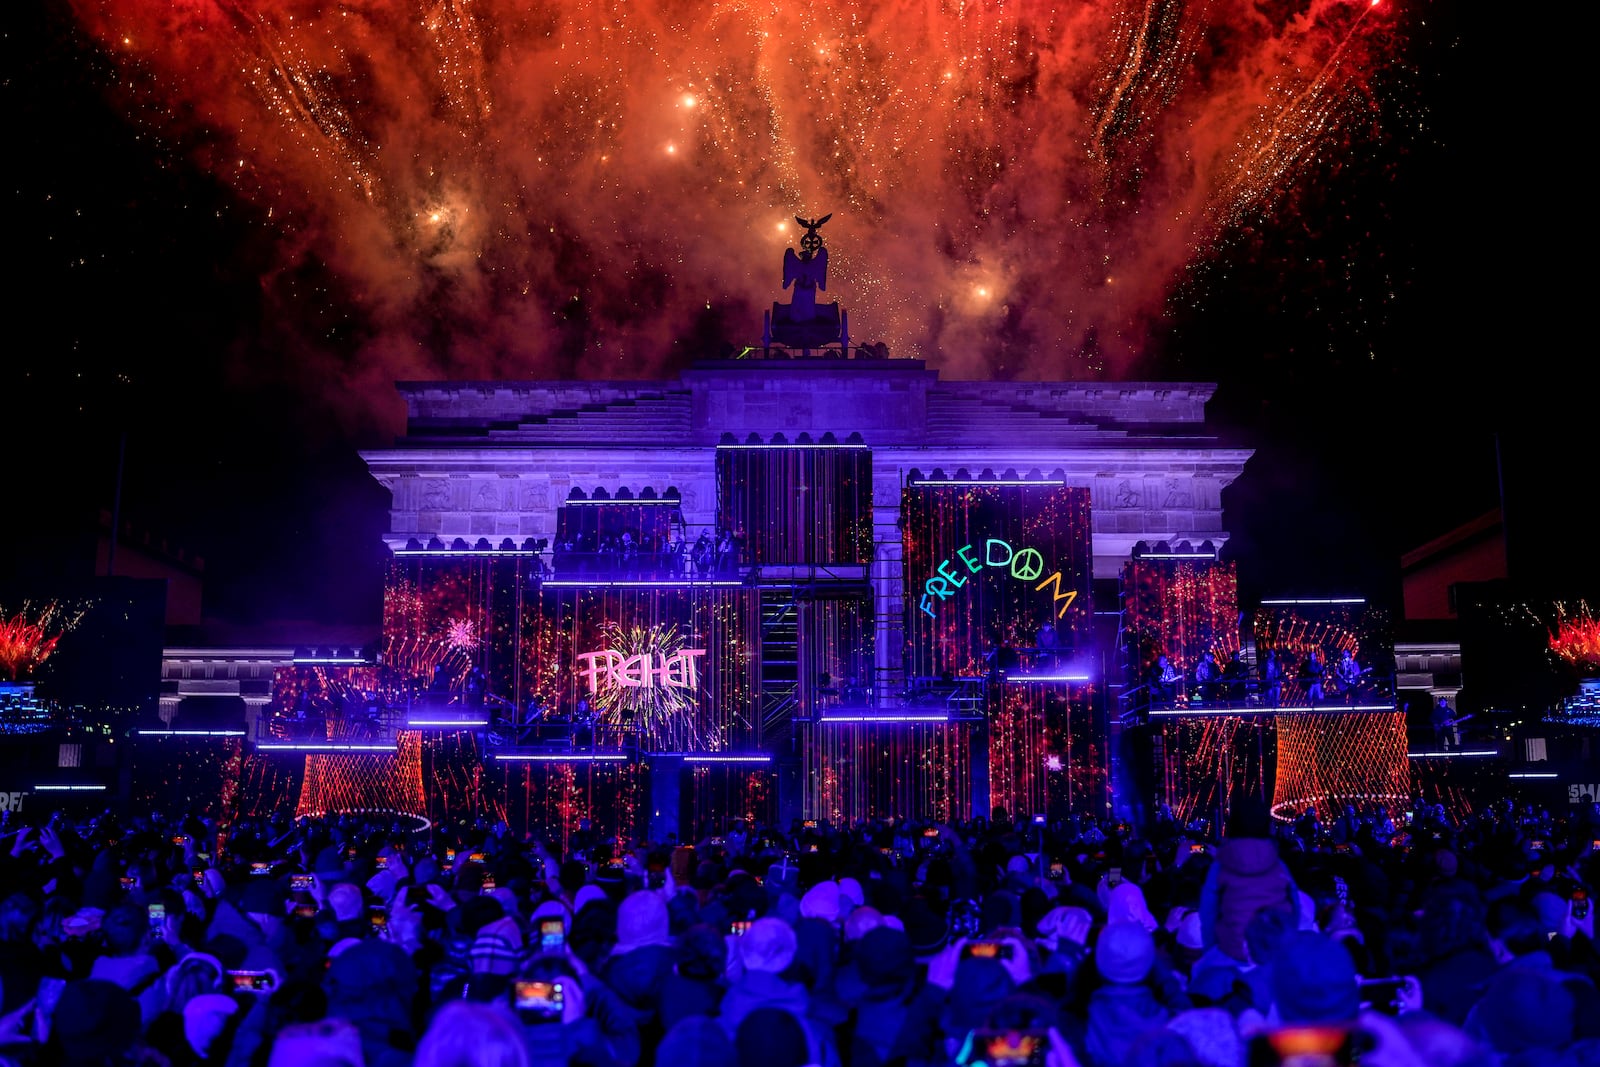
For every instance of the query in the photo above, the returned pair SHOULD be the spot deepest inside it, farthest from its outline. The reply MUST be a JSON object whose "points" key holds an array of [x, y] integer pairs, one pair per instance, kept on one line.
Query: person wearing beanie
{"points": [[774, 1037], [594, 1027], [1246, 877], [1212, 1036], [95, 1022], [698, 1041], [977, 985], [585, 896], [822, 901], [765, 951], [493, 957], [1523, 1013], [1125, 1006], [927, 929], [1455, 944], [1125, 904], [1001, 914], [1313, 980], [851, 896], [642, 960], [373, 985], [125, 962], [328, 1043], [464, 1034], [895, 1013], [695, 986], [206, 1021], [861, 922], [349, 909]]}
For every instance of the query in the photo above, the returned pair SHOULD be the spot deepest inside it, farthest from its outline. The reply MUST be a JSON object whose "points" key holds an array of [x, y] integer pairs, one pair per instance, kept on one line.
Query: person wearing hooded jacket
{"points": [[1247, 876]]}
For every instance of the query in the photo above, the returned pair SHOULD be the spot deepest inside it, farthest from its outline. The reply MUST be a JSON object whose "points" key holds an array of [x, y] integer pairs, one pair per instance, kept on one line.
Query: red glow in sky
{"points": [[512, 190]]}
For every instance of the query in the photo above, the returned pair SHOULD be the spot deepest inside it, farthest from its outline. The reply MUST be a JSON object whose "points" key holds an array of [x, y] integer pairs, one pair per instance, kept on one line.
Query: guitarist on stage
{"points": [[1347, 674], [1445, 723]]}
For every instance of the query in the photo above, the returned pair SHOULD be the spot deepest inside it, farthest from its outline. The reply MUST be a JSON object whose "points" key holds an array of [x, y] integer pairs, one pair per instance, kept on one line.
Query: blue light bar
{"points": [[1453, 753], [412, 724], [191, 733], [987, 481], [1047, 678], [1175, 555], [323, 746], [71, 788], [331, 661], [1324, 600], [571, 583], [793, 445], [727, 759], [882, 718], [555, 757], [1534, 774]]}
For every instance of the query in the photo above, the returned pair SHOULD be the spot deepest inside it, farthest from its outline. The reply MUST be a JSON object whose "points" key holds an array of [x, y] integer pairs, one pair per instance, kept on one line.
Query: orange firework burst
{"points": [[609, 171], [29, 636]]}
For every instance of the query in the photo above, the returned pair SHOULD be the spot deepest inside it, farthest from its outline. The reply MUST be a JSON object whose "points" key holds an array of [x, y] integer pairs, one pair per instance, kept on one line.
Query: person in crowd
{"points": [[1247, 876], [353, 941]]}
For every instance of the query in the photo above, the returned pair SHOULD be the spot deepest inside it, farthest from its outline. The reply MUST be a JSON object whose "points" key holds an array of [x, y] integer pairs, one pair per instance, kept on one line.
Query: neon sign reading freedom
{"points": [[1024, 564], [610, 669]]}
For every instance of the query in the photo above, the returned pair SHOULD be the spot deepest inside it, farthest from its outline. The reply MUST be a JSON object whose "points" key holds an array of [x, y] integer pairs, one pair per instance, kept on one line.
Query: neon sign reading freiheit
{"points": [[1024, 564], [609, 669]]}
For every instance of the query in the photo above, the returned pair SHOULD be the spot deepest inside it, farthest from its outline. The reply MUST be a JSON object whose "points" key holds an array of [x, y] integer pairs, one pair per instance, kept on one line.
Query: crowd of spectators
{"points": [[1398, 939]]}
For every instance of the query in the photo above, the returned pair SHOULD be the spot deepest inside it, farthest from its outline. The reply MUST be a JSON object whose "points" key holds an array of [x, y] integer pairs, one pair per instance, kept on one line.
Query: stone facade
{"points": [[495, 459]]}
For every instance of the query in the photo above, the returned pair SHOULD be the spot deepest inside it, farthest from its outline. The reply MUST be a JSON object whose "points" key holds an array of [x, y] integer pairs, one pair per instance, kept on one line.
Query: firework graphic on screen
{"points": [[659, 697], [29, 635]]}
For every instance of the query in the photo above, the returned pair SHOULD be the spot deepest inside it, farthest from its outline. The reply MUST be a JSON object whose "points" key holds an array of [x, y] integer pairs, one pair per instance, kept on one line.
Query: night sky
{"points": [[1375, 325]]}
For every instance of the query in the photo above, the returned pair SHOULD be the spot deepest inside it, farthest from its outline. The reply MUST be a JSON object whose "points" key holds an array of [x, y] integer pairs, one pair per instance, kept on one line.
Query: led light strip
{"points": [[463, 723], [986, 481], [1325, 600], [71, 788], [575, 757], [884, 719], [324, 746], [1453, 753], [191, 733], [568, 583], [1534, 774], [727, 759], [1046, 677]]}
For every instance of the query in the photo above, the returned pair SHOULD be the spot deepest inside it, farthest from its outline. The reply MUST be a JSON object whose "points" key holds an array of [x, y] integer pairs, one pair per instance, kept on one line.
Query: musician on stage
{"points": [[1272, 678], [1445, 725], [1163, 680], [1206, 676], [1234, 678], [1348, 673], [1313, 672]]}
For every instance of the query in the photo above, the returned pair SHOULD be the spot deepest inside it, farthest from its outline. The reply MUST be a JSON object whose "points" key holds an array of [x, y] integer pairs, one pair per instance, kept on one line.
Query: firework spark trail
{"points": [[1294, 132], [574, 186]]}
